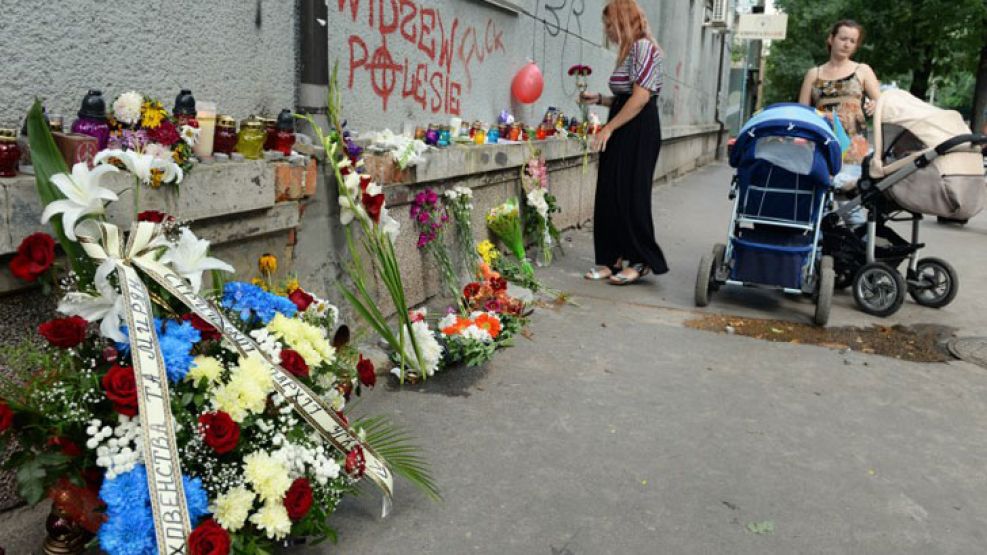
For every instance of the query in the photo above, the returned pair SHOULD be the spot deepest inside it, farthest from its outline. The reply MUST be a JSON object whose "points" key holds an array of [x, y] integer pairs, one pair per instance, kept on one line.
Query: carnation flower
{"points": [[204, 369], [230, 509], [246, 392], [127, 107], [266, 476], [273, 520], [429, 347]]}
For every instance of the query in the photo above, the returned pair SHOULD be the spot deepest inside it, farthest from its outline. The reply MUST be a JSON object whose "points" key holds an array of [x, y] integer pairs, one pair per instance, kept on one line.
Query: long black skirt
{"points": [[623, 227]]}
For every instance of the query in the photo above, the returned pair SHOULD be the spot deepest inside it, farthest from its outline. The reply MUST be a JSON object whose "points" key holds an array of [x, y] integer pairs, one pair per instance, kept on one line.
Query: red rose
{"points": [[219, 431], [365, 369], [121, 389], [206, 330], [298, 500], [294, 363], [356, 464], [65, 445], [209, 538], [166, 133], [301, 299], [64, 332], [35, 255], [152, 216], [6, 416]]}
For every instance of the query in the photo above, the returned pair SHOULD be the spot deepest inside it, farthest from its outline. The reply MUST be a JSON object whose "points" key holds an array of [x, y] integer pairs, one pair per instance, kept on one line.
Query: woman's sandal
{"points": [[623, 279], [598, 273]]}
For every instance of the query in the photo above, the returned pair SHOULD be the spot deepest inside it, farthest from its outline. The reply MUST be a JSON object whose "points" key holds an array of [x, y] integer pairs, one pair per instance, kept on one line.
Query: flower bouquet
{"points": [[459, 201], [430, 218], [539, 206], [581, 72], [505, 222], [142, 125], [361, 200], [180, 422]]}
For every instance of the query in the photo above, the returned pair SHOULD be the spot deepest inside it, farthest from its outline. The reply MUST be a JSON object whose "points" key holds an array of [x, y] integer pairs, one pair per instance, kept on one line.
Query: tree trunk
{"points": [[979, 115], [920, 80]]}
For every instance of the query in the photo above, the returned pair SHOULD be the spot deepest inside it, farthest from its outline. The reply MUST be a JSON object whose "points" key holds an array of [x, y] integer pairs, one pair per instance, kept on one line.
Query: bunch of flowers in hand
{"points": [[141, 124], [504, 220], [362, 201], [430, 218], [459, 201], [144, 390], [539, 205]]}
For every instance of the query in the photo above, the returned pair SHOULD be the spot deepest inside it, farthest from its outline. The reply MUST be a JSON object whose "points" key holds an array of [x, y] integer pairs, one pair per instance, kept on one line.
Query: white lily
{"points": [[141, 165], [389, 225], [83, 196], [189, 257], [107, 306]]}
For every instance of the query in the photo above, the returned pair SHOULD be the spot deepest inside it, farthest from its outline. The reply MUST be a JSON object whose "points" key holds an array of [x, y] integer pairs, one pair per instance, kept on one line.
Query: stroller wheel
{"points": [[879, 289], [824, 294], [706, 276], [935, 284]]}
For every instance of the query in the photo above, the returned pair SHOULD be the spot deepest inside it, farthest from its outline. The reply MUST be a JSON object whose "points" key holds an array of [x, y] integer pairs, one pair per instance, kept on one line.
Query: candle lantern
{"points": [[445, 135], [225, 140], [515, 133], [206, 116], [431, 135], [493, 135], [420, 133], [250, 140], [92, 118], [185, 109], [270, 126], [479, 135], [10, 153], [284, 135]]}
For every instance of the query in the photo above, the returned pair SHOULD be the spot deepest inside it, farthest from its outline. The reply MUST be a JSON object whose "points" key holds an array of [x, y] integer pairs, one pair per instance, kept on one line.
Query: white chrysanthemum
{"points": [[429, 347], [448, 320], [477, 333], [205, 370], [246, 392], [266, 476], [273, 519], [230, 509], [267, 343], [536, 199], [127, 107]]}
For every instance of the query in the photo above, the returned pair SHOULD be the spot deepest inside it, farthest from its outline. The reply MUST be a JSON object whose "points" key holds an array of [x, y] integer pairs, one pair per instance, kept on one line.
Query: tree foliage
{"points": [[910, 42]]}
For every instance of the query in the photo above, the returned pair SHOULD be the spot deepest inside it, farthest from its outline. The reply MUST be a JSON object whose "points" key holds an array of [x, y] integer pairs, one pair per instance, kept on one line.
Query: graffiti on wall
{"points": [[444, 49]]}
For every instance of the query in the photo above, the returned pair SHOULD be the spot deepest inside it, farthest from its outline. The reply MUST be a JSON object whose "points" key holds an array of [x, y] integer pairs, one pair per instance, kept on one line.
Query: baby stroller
{"points": [[925, 162], [785, 157]]}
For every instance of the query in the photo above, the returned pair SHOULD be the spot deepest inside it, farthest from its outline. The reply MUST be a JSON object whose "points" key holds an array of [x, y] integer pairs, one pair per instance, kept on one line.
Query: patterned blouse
{"points": [[641, 66]]}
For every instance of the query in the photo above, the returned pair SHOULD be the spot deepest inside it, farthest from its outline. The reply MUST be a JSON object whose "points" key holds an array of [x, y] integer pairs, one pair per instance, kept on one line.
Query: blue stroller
{"points": [[785, 157]]}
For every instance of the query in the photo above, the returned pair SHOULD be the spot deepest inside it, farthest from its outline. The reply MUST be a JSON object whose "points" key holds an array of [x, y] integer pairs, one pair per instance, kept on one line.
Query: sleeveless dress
{"points": [[623, 226], [846, 97]]}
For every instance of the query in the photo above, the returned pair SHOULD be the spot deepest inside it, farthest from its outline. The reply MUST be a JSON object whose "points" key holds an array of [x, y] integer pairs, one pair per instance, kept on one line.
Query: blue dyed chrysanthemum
{"points": [[250, 301], [176, 340], [129, 528]]}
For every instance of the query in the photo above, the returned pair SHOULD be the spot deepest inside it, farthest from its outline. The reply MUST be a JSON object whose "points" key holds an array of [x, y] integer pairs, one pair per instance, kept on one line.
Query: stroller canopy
{"points": [[788, 120]]}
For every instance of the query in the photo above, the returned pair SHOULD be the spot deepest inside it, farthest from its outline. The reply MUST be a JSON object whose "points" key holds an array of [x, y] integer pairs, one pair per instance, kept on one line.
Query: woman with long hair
{"points": [[623, 227], [840, 85]]}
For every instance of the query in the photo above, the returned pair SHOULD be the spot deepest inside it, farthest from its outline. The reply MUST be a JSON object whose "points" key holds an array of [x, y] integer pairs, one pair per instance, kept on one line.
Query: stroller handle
{"points": [[950, 144]]}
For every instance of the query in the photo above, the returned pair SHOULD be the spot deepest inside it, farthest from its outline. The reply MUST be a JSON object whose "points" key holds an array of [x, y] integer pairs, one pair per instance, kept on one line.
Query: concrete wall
{"points": [[238, 53]]}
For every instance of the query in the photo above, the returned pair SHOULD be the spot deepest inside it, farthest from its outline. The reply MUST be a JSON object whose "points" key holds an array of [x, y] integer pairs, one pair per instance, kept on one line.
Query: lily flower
{"points": [[350, 209], [189, 257], [107, 305], [83, 196], [389, 225], [142, 165]]}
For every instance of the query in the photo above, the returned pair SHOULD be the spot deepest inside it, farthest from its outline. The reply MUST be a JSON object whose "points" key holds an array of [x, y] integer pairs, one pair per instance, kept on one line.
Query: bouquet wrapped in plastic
{"points": [[505, 221]]}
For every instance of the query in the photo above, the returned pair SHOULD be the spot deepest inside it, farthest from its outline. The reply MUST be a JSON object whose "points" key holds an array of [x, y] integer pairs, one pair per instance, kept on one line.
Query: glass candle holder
{"points": [[445, 136], [250, 140], [493, 135], [431, 136], [92, 118], [515, 132], [270, 130], [479, 137], [225, 139], [206, 116], [10, 153]]}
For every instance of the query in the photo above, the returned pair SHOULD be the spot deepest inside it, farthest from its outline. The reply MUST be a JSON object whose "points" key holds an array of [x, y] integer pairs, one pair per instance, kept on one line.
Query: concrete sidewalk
{"points": [[617, 430]]}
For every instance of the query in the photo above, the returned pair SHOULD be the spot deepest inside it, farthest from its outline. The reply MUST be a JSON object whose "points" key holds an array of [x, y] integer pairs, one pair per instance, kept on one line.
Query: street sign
{"points": [[762, 26]]}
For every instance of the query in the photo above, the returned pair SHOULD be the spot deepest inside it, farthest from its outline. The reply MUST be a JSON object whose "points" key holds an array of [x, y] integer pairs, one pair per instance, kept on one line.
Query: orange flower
{"points": [[458, 327], [490, 323], [486, 272]]}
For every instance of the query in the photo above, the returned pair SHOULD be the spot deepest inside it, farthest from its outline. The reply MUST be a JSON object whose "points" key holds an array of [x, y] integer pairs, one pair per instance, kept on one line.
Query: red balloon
{"points": [[528, 84]]}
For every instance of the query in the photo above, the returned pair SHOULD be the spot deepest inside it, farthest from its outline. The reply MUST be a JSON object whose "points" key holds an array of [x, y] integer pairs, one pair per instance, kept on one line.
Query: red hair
{"points": [[629, 24]]}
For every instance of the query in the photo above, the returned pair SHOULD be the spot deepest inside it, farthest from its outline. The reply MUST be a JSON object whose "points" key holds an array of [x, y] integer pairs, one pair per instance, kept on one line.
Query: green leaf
{"points": [[764, 527], [396, 447], [47, 161]]}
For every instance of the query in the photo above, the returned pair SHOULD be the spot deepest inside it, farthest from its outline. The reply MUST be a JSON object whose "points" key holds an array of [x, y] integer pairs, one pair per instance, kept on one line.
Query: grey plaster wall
{"points": [[391, 72], [238, 53]]}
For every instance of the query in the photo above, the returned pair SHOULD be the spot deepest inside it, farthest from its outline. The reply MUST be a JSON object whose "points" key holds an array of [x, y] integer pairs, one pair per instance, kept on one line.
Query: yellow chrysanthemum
{"points": [[273, 519], [204, 370], [266, 476], [487, 251], [152, 113], [309, 341], [230, 509], [259, 283], [246, 392]]}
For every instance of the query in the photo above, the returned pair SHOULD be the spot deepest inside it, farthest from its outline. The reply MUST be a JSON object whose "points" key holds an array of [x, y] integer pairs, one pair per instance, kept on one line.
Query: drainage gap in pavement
{"points": [[917, 343]]}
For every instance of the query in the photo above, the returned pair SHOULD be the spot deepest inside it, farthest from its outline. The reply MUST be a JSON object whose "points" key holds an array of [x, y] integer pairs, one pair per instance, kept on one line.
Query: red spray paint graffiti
{"points": [[428, 82]]}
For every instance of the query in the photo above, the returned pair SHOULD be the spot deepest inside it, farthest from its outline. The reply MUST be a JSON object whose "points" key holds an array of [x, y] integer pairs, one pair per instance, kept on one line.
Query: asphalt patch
{"points": [[918, 343]]}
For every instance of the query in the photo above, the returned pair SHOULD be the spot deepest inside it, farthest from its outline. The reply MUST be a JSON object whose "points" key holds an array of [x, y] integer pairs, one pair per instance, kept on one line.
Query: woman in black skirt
{"points": [[623, 229]]}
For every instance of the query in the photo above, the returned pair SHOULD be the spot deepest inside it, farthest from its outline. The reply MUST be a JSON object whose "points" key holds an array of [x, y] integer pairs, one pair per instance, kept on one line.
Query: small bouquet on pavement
{"points": [[505, 222]]}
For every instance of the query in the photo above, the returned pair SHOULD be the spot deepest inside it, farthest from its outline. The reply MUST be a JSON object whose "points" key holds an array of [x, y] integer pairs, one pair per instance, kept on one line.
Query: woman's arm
{"points": [[631, 108], [595, 98], [805, 93]]}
